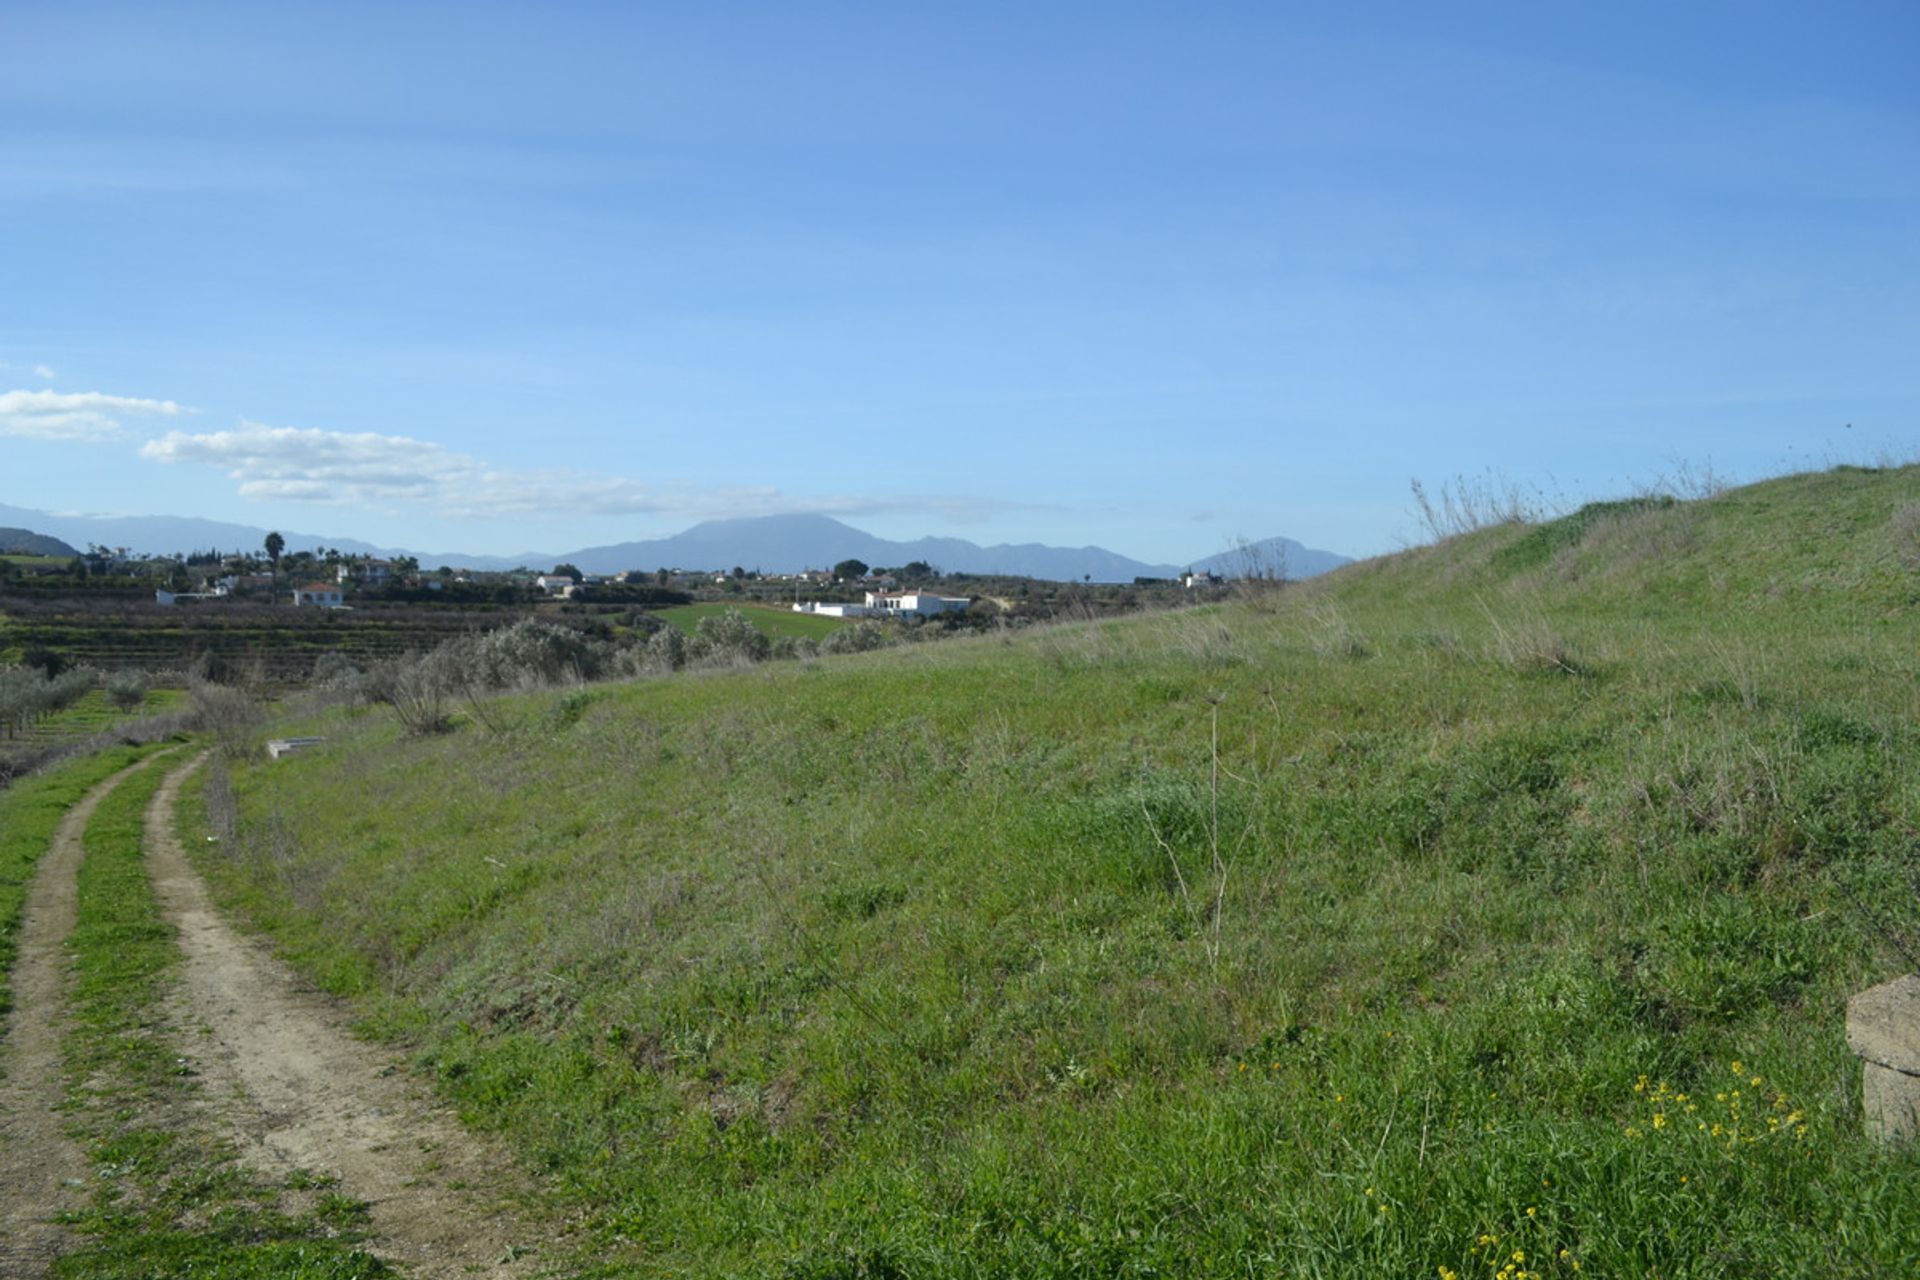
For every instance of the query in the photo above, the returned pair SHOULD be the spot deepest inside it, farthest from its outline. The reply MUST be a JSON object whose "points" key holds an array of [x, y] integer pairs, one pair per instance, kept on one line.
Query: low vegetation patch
{"points": [[43, 717], [771, 621]]}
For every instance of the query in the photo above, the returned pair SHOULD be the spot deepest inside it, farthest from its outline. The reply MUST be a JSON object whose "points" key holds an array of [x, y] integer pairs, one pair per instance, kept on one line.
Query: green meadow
{"points": [[1487, 910], [771, 621]]}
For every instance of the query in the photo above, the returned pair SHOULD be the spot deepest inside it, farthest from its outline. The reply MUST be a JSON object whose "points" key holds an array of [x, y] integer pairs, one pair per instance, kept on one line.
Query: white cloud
{"points": [[42, 371], [368, 469], [80, 415]]}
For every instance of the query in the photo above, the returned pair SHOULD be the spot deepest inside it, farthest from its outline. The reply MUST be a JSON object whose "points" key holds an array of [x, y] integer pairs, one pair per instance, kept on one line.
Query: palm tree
{"points": [[275, 545]]}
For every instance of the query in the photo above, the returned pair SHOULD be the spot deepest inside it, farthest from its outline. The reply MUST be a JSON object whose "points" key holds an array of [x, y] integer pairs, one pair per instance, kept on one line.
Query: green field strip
{"points": [[30, 812]]}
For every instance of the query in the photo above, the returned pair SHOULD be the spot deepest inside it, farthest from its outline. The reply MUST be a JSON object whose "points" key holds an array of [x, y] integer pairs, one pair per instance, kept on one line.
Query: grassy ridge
{"points": [[1330, 933], [30, 812], [1846, 539], [171, 1201]]}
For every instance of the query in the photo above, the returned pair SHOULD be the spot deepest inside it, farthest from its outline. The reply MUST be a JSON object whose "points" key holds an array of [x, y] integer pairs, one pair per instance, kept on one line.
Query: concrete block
{"points": [[1883, 1027], [1890, 1102]]}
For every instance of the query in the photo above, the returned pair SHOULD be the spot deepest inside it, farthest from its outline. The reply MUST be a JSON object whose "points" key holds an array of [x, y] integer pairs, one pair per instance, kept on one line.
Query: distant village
{"points": [[271, 610], [329, 579], [272, 613], [367, 576]]}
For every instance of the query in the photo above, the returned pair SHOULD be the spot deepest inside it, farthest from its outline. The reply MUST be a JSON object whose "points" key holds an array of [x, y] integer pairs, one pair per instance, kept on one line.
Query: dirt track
{"points": [[41, 1171], [292, 1088]]}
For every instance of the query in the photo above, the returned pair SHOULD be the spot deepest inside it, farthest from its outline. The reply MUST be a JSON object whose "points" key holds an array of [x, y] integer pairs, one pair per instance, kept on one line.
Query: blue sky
{"points": [[490, 278]]}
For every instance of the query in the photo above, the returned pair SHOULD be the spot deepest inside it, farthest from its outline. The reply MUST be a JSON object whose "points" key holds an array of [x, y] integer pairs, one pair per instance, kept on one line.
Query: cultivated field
{"points": [[275, 641], [772, 621]]}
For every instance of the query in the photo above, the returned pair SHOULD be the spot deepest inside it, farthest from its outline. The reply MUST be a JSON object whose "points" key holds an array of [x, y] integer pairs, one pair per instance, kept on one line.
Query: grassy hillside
{"points": [[1845, 539], [1485, 906]]}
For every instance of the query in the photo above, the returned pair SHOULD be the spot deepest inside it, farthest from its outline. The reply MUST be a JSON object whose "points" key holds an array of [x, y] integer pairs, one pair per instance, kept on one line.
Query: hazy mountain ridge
{"points": [[25, 542], [786, 544], [167, 535], [772, 544], [1271, 557]]}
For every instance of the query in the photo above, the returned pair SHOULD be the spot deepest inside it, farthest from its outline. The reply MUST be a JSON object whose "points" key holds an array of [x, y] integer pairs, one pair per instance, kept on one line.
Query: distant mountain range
{"points": [[772, 544], [166, 535], [784, 544]]}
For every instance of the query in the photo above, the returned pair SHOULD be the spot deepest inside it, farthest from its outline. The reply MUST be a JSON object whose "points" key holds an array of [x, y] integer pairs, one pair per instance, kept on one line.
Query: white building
{"points": [[924, 603], [375, 573], [318, 593], [888, 604]]}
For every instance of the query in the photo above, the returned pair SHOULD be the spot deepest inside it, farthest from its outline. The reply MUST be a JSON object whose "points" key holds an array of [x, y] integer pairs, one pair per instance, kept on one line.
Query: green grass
{"points": [[772, 622], [910, 963], [170, 1200], [38, 562], [30, 812], [96, 713], [93, 714]]}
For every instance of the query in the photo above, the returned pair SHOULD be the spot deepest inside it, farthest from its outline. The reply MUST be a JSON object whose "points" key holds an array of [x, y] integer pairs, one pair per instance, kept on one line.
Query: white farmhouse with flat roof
{"points": [[924, 603], [318, 593], [831, 610]]}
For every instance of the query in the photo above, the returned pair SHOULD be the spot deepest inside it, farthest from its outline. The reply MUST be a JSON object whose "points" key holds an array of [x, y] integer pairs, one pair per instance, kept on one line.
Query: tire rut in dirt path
{"points": [[41, 1170], [293, 1089]]}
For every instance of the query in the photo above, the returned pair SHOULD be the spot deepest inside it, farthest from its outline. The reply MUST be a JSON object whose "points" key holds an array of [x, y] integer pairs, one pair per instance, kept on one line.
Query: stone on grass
{"points": [[1883, 1027]]}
